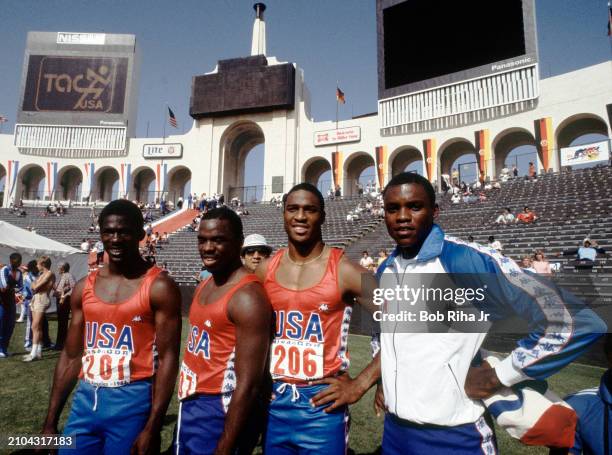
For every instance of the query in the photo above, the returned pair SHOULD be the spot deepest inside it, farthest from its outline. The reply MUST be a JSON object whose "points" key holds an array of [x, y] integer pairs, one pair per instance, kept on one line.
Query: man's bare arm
{"points": [[251, 312], [357, 283], [69, 364], [166, 305]]}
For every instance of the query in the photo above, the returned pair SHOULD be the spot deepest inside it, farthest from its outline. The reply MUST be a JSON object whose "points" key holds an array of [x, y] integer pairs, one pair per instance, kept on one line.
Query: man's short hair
{"points": [[15, 257], [125, 208], [414, 178], [65, 266], [225, 213], [306, 187], [32, 265]]}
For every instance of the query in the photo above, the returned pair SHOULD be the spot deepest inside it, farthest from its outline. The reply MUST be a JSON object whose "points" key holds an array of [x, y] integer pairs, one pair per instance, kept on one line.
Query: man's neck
{"points": [[305, 251], [223, 276], [128, 269]]}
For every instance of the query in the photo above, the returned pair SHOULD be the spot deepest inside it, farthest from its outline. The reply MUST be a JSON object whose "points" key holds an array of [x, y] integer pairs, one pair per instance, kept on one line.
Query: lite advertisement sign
{"points": [[161, 151]]}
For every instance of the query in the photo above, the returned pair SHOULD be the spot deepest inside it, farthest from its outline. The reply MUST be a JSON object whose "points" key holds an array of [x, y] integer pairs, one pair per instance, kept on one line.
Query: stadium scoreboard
{"points": [[79, 79]]}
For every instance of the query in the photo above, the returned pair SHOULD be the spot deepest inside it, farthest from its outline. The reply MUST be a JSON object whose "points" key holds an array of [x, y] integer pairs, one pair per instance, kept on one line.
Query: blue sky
{"points": [[330, 40]]}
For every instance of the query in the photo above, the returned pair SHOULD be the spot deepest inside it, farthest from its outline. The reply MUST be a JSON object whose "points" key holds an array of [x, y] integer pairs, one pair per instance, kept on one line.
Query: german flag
{"points": [[340, 95]]}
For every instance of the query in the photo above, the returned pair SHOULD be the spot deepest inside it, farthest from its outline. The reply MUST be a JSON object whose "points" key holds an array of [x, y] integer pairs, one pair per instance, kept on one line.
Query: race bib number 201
{"points": [[107, 367], [297, 359]]}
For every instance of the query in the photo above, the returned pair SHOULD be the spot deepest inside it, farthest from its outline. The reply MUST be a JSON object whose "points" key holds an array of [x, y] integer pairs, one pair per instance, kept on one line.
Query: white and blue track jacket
{"points": [[424, 373]]}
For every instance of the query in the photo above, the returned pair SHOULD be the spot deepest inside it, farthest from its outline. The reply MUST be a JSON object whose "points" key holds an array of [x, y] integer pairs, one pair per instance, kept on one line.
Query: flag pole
{"points": [[164, 135]]}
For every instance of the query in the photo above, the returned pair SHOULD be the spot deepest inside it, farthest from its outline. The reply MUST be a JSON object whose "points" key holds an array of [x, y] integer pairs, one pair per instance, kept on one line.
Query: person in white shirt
{"points": [[456, 198], [366, 260], [506, 217], [85, 246], [495, 244]]}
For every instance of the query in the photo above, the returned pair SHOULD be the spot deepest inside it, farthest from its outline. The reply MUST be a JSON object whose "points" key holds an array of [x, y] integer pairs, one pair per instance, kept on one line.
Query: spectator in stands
{"points": [[164, 238], [470, 239], [63, 292], [164, 267], [455, 176], [532, 173], [338, 192], [254, 249], [456, 198], [85, 246], [148, 216], [527, 216], [594, 409], [495, 244], [22, 213], [527, 264], [99, 249], [330, 194], [179, 203], [366, 260], [506, 217], [382, 257], [504, 176], [149, 230], [586, 254], [189, 201], [359, 189], [514, 171], [540, 264], [482, 197]]}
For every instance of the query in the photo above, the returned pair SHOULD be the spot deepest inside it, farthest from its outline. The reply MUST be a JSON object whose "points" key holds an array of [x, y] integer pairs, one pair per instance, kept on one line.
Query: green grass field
{"points": [[25, 391]]}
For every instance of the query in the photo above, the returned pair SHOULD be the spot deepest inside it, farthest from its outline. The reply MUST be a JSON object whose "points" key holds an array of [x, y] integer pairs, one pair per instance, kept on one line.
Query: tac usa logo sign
{"points": [[75, 84]]}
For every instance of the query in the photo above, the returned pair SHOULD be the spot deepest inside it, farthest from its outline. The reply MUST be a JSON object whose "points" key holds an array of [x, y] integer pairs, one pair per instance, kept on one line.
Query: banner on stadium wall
{"points": [[88, 181], [12, 172], [582, 154], [337, 168], [126, 178], [545, 141], [161, 173], [483, 147], [338, 136], [429, 145], [381, 165], [162, 151], [51, 175]]}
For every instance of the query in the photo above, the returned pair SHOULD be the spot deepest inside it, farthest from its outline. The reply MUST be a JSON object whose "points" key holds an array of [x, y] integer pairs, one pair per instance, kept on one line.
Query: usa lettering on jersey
{"points": [[297, 350], [108, 352], [199, 342]]}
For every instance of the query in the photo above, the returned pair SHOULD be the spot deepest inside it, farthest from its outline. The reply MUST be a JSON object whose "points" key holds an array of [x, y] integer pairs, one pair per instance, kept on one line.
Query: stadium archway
{"points": [[580, 125], [515, 147], [31, 183], [236, 143], [405, 158], [359, 168], [143, 185], [179, 178], [106, 184], [317, 171], [2, 183], [69, 180], [459, 153]]}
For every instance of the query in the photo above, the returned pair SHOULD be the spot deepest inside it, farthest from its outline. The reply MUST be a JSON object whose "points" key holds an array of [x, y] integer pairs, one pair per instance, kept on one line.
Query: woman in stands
{"points": [[540, 264], [41, 301]]}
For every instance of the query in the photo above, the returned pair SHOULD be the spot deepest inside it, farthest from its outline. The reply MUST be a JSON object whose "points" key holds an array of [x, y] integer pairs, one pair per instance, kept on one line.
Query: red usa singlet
{"points": [[119, 337], [312, 324], [208, 362]]}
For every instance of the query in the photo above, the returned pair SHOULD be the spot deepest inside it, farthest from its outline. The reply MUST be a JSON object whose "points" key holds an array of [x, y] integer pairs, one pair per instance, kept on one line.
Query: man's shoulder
{"points": [[584, 400]]}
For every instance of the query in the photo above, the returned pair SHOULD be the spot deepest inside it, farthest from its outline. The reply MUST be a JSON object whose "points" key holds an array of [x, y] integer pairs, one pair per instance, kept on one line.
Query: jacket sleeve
{"points": [[561, 327]]}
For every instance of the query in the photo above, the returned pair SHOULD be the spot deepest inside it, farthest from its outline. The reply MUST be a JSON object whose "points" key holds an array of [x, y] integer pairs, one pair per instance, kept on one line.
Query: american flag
{"points": [[172, 118], [3, 119]]}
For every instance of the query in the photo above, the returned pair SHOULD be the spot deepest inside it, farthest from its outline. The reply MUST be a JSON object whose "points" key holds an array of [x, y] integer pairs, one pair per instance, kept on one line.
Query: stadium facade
{"points": [[76, 120]]}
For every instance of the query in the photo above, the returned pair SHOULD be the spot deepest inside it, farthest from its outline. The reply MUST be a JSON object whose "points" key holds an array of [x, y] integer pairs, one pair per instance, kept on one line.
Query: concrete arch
{"points": [[313, 169], [579, 125], [354, 166], [453, 149], [106, 184], [236, 142], [139, 190], [69, 181], [402, 157], [179, 182], [510, 139], [29, 180]]}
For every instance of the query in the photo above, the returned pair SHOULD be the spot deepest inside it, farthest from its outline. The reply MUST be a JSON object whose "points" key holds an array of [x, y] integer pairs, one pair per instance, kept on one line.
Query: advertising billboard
{"points": [[584, 154], [75, 84]]}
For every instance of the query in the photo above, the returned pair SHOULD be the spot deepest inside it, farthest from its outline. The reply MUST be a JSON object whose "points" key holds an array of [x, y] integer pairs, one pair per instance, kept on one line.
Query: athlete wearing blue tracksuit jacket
{"points": [[432, 392]]}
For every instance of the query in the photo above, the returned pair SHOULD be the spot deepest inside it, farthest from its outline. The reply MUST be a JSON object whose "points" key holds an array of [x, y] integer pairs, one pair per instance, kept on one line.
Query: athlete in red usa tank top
{"points": [[312, 288], [126, 319]]}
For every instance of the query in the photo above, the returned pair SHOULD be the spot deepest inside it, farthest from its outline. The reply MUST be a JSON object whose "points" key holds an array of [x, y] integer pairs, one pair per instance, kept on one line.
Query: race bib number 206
{"points": [[297, 359], [107, 367]]}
